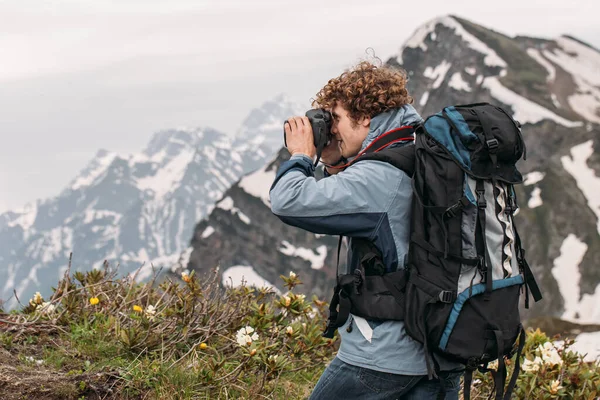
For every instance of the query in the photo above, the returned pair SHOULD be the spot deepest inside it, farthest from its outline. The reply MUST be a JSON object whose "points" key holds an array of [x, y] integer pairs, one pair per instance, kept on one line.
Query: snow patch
{"points": [[583, 63], [470, 70], [166, 178], [526, 111], [241, 274], [210, 153], [568, 277], [589, 344], [236, 157], [533, 177], [438, 73], [316, 260], [586, 178], [555, 100], [94, 170], [207, 232], [25, 216], [587, 101], [537, 56], [536, 198], [424, 99], [91, 215], [258, 184], [417, 40], [52, 244], [457, 82], [227, 205]]}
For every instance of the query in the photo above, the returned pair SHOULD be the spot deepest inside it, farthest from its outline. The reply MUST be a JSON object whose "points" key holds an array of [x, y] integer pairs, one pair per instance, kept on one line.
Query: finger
{"points": [[299, 121], [287, 127], [292, 122], [305, 121]]}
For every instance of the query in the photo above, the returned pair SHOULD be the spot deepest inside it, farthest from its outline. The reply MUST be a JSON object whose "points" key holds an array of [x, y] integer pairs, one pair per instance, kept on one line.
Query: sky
{"points": [[77, 76]]}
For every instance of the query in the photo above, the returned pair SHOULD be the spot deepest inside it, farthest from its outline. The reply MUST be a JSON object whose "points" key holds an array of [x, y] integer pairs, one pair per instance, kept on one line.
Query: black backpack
{"points": [[466, 264]]}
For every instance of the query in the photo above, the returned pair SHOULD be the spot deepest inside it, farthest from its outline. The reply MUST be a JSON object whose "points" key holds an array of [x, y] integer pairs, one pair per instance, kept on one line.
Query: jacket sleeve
{"points": [[352, 203]]}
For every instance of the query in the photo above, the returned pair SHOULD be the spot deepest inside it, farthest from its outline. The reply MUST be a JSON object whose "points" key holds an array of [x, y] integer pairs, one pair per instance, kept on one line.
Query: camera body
{"points": [[321, 122]]}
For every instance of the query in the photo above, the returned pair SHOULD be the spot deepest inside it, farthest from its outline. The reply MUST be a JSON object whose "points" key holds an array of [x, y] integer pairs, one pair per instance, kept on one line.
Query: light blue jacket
{"points": [[370, 199]]}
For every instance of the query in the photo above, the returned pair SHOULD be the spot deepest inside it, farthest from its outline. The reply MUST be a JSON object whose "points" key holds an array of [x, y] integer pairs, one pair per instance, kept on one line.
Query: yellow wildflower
{"points": [[137, 308], [94, 301], [185, 276], [203, 346]]}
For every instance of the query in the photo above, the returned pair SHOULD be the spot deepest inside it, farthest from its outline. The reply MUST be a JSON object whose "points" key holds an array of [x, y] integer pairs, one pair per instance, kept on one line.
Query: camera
{"points": [[321, 122]]}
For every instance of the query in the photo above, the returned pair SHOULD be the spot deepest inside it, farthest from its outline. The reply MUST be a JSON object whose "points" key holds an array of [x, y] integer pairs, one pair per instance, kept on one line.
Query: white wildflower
{"points": [[555, 386], [532, 366], [47, 308], [292, 274], [246, 335], [549, 354], [36, 299], [289, 330], [150, 312], [33, 360], [273, 358]]}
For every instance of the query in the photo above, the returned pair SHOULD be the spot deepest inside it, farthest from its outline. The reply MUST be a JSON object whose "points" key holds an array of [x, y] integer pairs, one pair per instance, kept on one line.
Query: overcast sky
{"points": [[80, 75]]}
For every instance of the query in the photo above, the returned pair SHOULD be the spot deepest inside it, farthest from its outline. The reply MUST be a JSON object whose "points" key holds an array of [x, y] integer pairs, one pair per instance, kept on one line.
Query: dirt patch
{"points": [[27, 380]]}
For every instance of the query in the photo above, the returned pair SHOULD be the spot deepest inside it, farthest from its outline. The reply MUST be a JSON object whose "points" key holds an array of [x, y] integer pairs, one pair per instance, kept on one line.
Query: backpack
{"points": [[466, 265]]}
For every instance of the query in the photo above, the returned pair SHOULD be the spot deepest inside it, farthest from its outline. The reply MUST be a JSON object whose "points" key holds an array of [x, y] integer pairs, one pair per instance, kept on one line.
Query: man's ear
{"points": [[366, 122]]}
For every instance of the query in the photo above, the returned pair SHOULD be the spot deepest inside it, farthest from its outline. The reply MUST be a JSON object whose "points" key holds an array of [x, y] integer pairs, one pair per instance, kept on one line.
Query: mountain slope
{"points": [[133, 210], [549, 85]]}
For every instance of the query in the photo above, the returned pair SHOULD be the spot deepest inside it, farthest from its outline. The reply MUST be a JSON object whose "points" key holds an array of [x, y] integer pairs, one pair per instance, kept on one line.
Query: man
{"points": [[370, 200]]}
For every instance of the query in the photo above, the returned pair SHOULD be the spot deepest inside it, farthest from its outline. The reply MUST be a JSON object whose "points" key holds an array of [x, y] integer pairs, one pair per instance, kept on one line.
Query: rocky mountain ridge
{"points": [[136, 210], [549, 85]]}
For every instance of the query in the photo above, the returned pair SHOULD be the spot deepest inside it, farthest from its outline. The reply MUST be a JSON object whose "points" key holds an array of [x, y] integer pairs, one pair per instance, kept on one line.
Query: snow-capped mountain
{"points": [[137, 209], [551, 86]]}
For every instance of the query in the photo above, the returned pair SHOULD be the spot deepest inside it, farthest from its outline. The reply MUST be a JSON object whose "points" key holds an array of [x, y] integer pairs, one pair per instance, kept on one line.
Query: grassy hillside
{"points": [[100, 337]]}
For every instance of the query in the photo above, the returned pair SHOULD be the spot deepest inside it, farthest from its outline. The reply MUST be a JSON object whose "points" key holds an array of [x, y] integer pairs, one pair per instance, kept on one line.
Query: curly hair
{"points": [[365, 90]]}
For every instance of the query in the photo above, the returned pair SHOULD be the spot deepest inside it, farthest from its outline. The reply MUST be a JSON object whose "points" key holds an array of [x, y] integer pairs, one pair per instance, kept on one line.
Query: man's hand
{"points": [[299, 137], [331, 153]]}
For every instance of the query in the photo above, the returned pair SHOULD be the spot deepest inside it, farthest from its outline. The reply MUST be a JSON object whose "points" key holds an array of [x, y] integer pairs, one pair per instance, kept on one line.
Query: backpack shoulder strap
{"points": [[401, 156]]}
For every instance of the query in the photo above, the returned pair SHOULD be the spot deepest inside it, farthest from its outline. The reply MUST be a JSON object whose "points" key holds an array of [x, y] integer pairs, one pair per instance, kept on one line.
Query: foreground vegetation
{"points": [[101, 337]]}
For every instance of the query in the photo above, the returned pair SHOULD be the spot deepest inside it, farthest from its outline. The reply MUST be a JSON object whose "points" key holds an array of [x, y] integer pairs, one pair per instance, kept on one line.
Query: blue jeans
{"points": [[346, 382]]}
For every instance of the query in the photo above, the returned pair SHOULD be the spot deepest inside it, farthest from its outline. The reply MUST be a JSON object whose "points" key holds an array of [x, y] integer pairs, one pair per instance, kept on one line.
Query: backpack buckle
{"points": [[481, 203], [452, 211], [492, 145], [446, 296]]}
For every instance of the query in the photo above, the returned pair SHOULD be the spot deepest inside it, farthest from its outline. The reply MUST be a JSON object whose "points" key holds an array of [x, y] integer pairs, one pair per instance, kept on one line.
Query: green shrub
{"points": [[187, 338], [549, 370]]}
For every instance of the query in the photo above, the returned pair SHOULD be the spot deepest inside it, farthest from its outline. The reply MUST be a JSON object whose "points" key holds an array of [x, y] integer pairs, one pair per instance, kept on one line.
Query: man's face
{"points": [[349, 134]]}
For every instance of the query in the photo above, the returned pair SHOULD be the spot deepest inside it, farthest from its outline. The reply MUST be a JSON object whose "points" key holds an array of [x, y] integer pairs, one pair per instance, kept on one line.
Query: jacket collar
{"points": [[392, 119]]}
